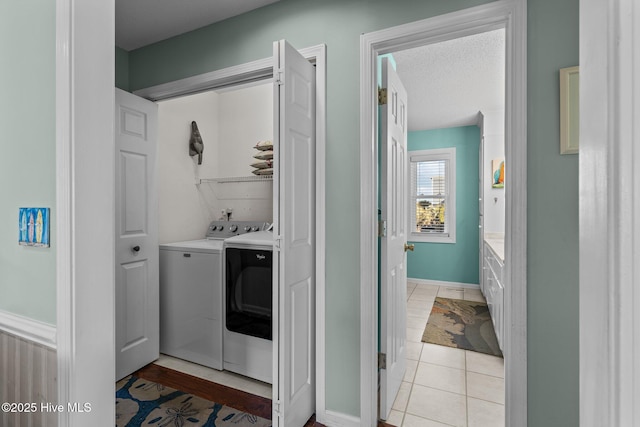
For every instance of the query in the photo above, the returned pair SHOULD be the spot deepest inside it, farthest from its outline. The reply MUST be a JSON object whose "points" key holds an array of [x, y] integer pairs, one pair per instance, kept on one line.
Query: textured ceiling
{"points": [[142, 22], [449, 82]]}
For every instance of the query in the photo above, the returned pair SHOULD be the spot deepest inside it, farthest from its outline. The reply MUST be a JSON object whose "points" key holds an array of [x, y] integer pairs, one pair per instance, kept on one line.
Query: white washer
{"points": [[191, 299], [248, 296]]}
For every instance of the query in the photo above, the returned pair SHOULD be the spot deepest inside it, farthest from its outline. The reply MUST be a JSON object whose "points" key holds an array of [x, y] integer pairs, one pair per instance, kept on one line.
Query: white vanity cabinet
{"points": [[493, 288]]}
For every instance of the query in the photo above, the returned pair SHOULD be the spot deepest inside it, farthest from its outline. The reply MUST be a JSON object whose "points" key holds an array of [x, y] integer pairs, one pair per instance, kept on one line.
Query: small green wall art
{"points": [[33, 227], [497, 173]]}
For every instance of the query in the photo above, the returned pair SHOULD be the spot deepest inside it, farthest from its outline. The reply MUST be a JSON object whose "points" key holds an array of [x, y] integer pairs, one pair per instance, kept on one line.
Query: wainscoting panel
{"points": [[27, 375]]}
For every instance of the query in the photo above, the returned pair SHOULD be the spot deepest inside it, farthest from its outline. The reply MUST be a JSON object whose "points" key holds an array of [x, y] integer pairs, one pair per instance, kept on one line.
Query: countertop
{"points": [[496, 242]]}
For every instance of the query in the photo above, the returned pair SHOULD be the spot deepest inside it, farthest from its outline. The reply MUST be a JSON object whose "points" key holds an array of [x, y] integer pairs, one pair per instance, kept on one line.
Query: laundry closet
{"points": [[215, 188], [200, 208], [230, 121]]}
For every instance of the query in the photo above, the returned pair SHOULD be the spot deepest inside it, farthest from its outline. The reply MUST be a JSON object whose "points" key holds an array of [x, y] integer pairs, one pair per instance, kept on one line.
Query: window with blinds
{"points": [[432, 195]]}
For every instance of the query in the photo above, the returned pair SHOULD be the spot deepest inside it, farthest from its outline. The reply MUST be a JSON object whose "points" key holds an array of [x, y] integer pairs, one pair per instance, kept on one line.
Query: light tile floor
{"points": [[227, 378], [445, 386], [442, 386]]}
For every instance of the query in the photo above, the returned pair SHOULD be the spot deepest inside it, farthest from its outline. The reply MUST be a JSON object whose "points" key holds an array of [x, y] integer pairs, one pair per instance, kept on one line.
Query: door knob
{"points": [[408, 247], [136, 249]]}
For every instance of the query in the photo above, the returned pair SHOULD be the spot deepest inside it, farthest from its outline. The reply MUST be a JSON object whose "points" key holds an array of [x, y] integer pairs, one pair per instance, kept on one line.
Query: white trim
{"points": [[260, 69], [28, 329], [481, 182], [85, 63], [510, 15], [321, 179], [444, 283], [609, 203], [250, 71], [428, 153], [368, 237], [337, 419], [64, 184], [515, 271]]}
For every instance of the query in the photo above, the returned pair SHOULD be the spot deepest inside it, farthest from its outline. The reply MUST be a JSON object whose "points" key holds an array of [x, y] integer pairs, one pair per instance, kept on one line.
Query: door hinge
{"points": [[382, 96], [382, 228], [276, 242], [280, 77], [276, 407], [382, 361]]}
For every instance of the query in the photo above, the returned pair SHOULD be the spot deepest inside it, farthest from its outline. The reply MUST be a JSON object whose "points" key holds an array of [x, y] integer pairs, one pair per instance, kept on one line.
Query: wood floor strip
{"points": [[238, 399]]}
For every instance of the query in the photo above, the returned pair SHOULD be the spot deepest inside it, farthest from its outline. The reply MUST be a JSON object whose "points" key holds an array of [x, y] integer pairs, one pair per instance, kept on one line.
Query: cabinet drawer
{"points": [[495, 264]]}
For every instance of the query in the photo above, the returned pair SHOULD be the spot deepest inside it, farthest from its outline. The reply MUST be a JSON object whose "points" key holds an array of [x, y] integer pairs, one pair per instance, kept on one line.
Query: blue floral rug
{"points": [[142, 402]]}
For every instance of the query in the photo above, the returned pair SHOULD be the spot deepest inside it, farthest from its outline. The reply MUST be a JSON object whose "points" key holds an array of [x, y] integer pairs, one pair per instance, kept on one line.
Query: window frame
{"points": [[435, 154]]}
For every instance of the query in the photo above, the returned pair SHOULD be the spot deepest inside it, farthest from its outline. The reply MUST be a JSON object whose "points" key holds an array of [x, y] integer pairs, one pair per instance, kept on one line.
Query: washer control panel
{"points": [[225, 229]]}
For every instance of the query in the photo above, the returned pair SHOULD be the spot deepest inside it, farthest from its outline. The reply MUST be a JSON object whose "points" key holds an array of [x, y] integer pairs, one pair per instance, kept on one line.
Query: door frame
{"points": [[609, 228], [85, 191], [481, 182], [510, 15]]}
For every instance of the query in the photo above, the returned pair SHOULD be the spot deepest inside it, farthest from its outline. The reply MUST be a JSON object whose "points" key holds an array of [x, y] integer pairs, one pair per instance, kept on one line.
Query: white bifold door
{"points": [[393, 243], [136, 257], [294, 231]]}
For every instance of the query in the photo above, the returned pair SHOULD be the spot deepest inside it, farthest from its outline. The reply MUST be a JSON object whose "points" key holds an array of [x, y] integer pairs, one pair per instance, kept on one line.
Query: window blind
{"points": [[429, 179]]}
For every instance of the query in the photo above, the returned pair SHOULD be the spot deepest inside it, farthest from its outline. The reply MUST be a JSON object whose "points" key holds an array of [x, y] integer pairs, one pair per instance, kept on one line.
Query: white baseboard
{"points": [[443, 283], [28, 329], [337, 419]]}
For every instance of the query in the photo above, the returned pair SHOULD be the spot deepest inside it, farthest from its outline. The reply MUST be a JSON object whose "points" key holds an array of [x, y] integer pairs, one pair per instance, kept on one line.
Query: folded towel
{"points": [[264, 145], [268, 171], [262, 165], [264, 155]]}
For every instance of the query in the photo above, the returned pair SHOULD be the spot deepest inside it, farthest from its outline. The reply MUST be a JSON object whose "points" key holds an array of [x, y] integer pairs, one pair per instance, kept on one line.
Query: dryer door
{"points": [[249, 297]]}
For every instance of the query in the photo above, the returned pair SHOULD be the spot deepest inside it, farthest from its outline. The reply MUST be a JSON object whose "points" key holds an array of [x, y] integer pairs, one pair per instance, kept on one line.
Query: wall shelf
{"points": [[228, 180], [224, 188]]}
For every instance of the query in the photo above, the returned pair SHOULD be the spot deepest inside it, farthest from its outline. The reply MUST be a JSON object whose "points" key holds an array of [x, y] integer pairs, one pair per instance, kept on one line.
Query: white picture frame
{"points": [[569, 110]]}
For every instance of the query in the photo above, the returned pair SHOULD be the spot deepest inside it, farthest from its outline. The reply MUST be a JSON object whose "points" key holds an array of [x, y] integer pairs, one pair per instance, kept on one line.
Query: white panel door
{"points": [[294, 230], [137, 292], [394, 203]]}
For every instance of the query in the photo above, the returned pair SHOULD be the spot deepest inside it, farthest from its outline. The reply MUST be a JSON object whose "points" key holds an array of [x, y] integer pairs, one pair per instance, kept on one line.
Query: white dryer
{"points": [[248, 295]]}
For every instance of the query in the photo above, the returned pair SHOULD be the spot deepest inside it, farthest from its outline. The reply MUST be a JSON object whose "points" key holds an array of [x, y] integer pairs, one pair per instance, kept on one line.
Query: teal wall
{"points": [[552, 246], [122, 69], [27, 153], [452, 262], [552, 241]]}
